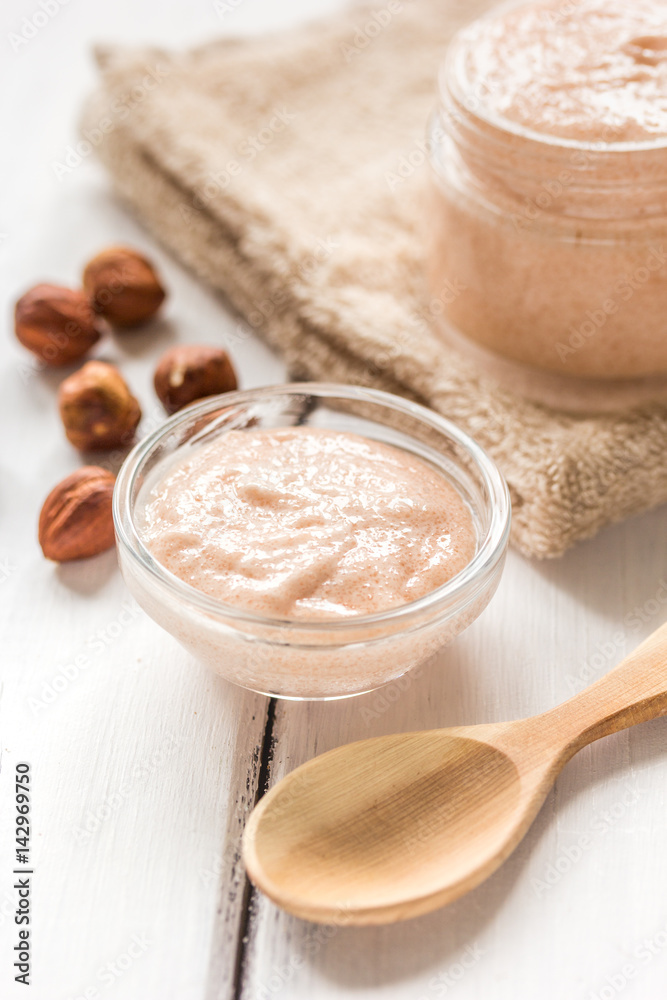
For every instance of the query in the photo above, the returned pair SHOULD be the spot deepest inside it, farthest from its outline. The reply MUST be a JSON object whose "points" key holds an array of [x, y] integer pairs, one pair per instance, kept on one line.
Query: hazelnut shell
{"points": [[122, 286], [191, 371], [97, 408], [76, 520], [57, 324]]}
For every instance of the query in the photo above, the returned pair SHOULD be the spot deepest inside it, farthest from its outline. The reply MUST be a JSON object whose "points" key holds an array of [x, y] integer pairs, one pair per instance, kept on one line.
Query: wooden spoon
{"points": [[392, 827]]}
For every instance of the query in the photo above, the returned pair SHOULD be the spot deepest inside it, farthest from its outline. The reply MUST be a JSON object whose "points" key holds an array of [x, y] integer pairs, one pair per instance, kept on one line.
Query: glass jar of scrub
{"points": [[548, 200], [247, 627]]}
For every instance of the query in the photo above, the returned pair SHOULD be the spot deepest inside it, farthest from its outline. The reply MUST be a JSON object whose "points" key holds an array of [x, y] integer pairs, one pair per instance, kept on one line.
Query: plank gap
{"points": [[263, 781]]}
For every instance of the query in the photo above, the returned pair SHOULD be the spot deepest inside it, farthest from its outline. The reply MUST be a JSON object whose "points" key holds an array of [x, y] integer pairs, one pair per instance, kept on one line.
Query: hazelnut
{"points": [[56, 324], [76, 520], [97, 408], [122, 286], [189, 372]]}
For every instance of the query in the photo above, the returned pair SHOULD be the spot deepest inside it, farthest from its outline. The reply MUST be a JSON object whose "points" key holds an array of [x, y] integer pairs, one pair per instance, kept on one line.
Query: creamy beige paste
{"points": [[578, 69], [307, 523], [549, 210]]}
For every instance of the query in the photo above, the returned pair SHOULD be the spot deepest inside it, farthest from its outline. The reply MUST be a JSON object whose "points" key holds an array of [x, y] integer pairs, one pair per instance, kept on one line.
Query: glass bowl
{"points": [[321, 659]]}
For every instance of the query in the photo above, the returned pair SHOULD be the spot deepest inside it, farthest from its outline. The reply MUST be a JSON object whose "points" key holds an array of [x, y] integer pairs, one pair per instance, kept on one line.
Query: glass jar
{"points": [[547, 260]]}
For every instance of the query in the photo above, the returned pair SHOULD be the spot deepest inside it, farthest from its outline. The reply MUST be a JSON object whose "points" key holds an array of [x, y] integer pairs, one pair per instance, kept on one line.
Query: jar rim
{"points": [[461, 588]]}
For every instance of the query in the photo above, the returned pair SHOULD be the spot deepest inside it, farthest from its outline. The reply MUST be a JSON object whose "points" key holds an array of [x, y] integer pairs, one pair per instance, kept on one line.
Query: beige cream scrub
{"points": [[311, 540], [309, 524], [549, 199]]}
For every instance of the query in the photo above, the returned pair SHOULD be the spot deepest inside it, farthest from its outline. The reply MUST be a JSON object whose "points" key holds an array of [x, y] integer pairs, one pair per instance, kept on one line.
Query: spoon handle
{"points": [[634, 691]]}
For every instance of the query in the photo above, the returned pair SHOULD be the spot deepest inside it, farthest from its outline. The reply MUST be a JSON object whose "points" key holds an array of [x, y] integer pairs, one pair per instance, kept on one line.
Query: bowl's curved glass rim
{"points": [[452, 69], [492, 547]]}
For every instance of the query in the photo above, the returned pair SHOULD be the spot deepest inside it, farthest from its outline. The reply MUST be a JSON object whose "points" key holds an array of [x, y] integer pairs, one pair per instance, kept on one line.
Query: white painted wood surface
{"points": [[144, 764]]}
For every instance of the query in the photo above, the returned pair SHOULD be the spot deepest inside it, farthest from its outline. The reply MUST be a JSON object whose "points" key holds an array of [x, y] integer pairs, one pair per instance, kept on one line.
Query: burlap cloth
{"points": [[287, 172]]}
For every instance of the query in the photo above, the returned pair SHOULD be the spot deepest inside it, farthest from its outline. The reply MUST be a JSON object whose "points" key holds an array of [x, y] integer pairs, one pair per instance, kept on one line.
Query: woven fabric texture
{"points": [[288, 172]]}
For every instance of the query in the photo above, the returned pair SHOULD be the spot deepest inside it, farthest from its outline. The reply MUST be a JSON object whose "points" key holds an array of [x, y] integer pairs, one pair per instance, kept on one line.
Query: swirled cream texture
{"points": [[307, 523], [577, 69]]}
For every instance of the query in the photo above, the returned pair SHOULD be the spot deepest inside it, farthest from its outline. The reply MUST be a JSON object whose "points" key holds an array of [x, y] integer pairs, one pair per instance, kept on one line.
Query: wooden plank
{"points": [[143, 766], [559, 917], [143, 762], [164, 859]]}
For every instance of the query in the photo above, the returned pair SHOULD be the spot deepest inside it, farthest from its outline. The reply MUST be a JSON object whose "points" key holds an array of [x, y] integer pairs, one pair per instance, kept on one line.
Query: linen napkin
{"points": [[288, 172]]}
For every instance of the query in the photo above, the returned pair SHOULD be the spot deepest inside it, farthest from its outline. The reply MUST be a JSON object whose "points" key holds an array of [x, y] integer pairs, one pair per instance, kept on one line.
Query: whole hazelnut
{"points": [[189, 372], [122, 286], [57, 324], [97, 408], [76, 520]]}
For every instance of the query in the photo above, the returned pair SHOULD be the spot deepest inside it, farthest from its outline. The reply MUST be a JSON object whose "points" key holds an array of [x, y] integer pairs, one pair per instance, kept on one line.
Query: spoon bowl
{"points": [[396, 826], [391, 851]]}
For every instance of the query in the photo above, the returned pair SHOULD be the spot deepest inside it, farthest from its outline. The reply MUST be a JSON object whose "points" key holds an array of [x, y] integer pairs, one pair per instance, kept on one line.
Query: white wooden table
{"points": [[144, 765]]}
